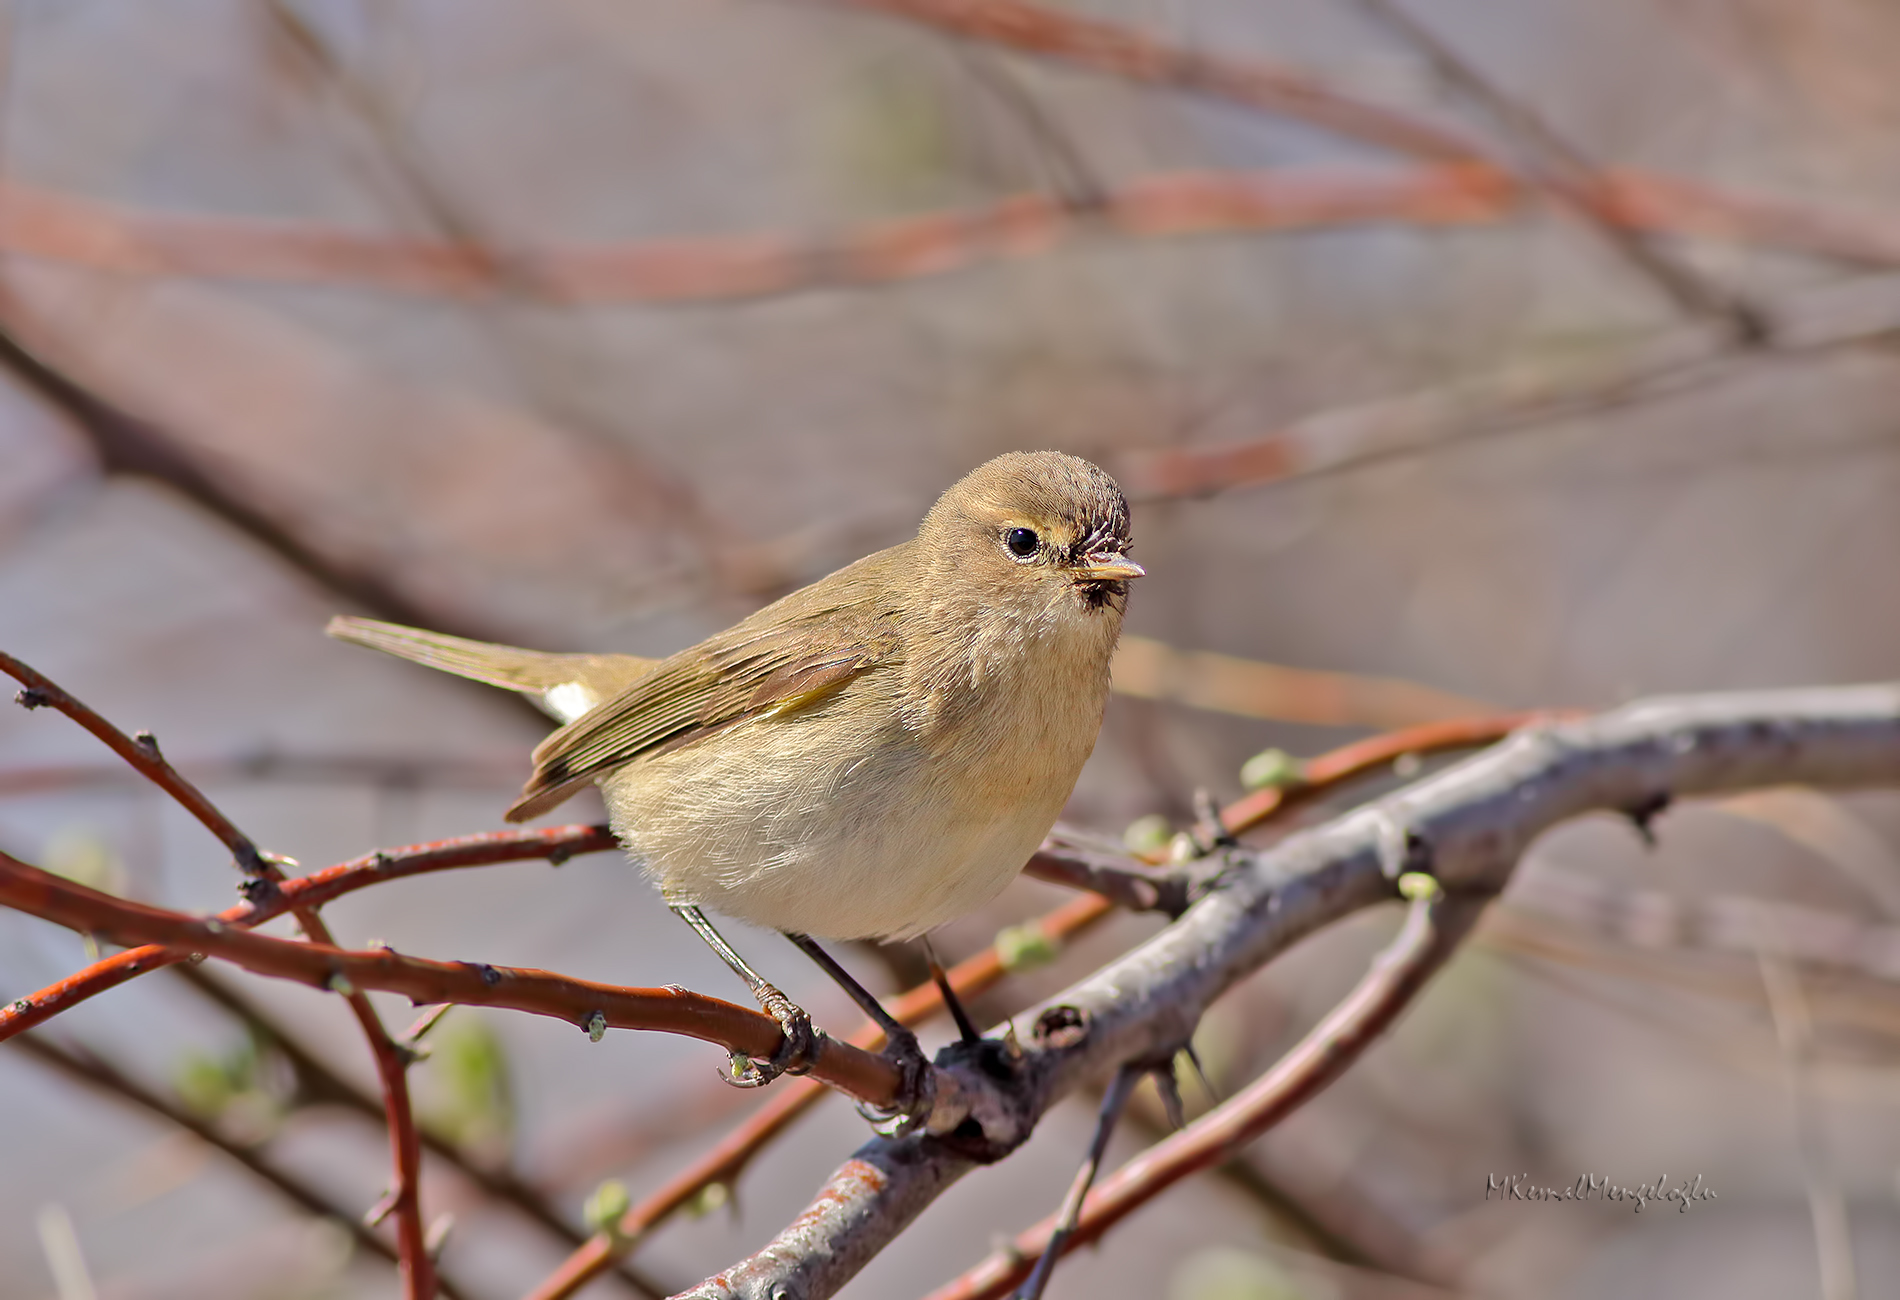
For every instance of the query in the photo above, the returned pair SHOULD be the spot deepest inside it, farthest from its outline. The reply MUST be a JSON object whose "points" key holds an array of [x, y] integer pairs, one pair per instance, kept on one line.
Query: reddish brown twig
{"points": [[1202, 679], [555, 843], [1557, 167], [84, 232], [416, 1266], [1432, 932], [1320, 774], [265, 877], [90, 1071], [141, 753], [318, 1083], [1121, 51], [27, 889], [1518, 396], [62, 227], [726, 1161]]}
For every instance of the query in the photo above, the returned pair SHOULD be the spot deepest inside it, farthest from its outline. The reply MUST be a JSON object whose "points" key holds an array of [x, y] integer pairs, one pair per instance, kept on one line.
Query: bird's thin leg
{"points": [[892, 1027], [1113, 1103], [965, 1028], [794, 1055], [899, 1043]]}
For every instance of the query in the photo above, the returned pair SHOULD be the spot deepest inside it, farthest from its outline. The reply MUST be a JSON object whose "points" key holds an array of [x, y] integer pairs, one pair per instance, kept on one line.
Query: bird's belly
{"points": [[887, 843]]}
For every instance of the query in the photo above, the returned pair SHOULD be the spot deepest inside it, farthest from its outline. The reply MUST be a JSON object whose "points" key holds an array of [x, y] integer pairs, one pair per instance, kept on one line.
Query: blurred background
{"points": [[1458, 357]]}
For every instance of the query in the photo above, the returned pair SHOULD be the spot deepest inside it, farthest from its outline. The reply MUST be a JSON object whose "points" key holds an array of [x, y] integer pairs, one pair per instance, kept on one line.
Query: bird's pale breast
{"points": [[853, 819]]}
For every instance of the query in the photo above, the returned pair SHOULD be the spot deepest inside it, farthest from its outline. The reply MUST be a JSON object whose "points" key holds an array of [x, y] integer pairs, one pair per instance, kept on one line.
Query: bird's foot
{"points": [[797, 1049], [916, 1089]]}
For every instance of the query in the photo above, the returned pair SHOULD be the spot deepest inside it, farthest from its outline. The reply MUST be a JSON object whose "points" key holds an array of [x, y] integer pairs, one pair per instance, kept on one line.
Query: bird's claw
{"points": [[916, 1090], [797, 1049]]}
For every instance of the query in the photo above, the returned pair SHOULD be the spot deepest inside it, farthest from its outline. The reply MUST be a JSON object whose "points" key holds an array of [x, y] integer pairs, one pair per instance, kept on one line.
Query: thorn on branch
{"points": [[252, 862], [1200, 1072], [438, 1236], [1168, 1087], [1643, 815], [412, 1040]]}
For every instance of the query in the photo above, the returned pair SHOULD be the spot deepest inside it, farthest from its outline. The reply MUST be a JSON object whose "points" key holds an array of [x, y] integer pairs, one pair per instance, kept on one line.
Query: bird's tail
{"points": [[564, 685]]}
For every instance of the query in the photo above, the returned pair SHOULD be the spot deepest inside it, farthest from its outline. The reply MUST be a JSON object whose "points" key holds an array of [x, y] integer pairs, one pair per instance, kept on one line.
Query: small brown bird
{"points": [[867, 757]]}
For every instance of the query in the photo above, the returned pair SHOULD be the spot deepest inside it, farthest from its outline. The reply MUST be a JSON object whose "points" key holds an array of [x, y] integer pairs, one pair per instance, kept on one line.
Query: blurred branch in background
{"points": [[317, 1083], [86, 1069], [1149, 670], [1555, 166], [1529, 395], [83, 232], [1121, 51]]}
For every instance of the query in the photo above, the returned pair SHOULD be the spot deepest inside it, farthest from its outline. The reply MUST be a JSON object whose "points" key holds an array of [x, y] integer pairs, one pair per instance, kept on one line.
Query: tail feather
{"points": [[564, 685]]}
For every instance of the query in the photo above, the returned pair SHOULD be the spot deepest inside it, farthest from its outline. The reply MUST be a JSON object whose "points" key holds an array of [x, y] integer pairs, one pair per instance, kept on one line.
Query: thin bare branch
{"points": [[319, 1084], [85, 232], [126, 444], [25, 888], [1153, 670], [264, 876], [141, 753], [1646, 918], [555, 844], [1560, 169], [417, 1263], [1810, 324], [1827, 1207], [1120, 51]]}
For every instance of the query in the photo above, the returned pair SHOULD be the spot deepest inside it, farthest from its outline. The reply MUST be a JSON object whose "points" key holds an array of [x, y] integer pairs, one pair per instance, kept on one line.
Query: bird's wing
{"points": [[785, 657], [565, 686]]}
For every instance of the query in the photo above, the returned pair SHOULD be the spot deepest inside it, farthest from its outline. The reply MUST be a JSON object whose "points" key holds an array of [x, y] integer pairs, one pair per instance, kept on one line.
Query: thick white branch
{"points": [[1467, 825]]}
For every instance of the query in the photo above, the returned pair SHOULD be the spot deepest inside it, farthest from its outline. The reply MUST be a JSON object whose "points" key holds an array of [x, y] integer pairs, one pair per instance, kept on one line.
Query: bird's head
{"points": [[1035, 528]]}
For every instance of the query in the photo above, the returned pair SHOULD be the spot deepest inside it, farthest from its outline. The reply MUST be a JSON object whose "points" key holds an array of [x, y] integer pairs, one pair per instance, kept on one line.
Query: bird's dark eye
{"points": [[1022, 542]]}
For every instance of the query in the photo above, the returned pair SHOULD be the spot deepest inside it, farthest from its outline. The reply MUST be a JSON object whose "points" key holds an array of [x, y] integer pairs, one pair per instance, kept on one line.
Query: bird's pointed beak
{"points": [[1107, 566]]}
